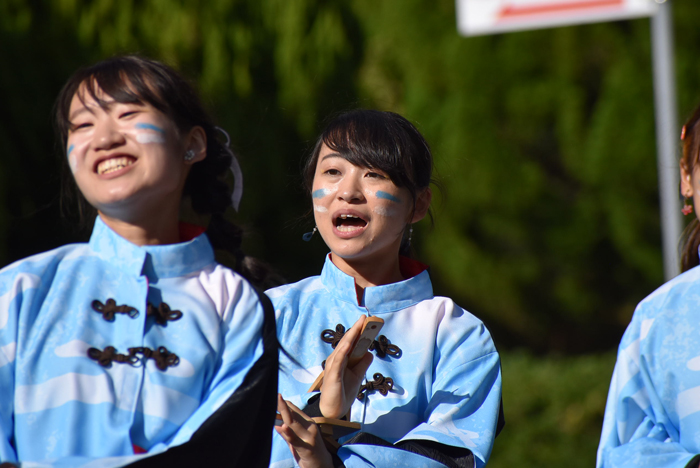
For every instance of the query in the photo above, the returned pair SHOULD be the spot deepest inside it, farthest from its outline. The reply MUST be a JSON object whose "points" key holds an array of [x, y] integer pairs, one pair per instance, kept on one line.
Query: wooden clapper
{"points": [[333, 429]]}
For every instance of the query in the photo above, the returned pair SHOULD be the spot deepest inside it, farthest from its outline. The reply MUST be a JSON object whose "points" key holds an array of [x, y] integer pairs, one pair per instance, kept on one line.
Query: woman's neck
{"points": [[371, 272], [157, 230]]}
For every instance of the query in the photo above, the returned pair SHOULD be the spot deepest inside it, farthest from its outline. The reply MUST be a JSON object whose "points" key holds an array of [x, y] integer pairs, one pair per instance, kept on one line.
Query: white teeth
{"points": [[114, 164], [348, 228]]}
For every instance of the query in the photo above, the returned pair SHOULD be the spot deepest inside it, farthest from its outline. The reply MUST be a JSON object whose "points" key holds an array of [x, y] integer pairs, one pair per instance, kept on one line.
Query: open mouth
{"points": [[114, 164], [349, 223]]}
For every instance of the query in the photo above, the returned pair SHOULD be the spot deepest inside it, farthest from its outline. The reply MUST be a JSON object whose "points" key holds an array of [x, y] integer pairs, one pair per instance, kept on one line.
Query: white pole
{"points": [[667, 135]]}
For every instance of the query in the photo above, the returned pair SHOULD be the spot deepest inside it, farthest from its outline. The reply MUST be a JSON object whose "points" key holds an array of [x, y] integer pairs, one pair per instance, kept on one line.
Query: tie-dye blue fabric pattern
{"points": [[59, 407], [652, 417], [447, 380]]}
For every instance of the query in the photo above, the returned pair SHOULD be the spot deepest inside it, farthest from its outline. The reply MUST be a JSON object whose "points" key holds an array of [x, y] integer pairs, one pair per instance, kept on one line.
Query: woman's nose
{"points": [[107, 136], [350, 189]]}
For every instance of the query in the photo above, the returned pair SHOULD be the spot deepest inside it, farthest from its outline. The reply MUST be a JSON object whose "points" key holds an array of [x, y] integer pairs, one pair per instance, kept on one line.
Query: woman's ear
{"points": [[686, 181], [196, 141], [422, 204]]}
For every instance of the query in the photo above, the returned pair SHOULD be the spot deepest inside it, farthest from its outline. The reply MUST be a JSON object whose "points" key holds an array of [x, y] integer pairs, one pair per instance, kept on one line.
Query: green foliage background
{"points": [[547, 226], [554, 410]]}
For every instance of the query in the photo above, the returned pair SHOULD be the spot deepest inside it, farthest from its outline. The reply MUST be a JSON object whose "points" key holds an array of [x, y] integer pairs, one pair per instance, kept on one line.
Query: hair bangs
{"points": [[366, 140], [127, 84]]}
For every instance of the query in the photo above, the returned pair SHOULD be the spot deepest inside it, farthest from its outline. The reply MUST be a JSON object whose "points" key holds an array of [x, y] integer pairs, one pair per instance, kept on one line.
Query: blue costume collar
{"points": [[377, 299], [154, 261]]}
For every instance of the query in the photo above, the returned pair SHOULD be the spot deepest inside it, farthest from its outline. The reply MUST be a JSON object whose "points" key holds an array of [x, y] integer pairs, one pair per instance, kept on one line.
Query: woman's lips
{"points": [[114, 164], [348, 224]]}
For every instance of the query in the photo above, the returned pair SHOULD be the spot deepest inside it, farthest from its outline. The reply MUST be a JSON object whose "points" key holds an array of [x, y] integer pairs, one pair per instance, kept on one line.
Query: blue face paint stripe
{"points": [[70, 149], [147, 126], [320, 193], [387, 196]]}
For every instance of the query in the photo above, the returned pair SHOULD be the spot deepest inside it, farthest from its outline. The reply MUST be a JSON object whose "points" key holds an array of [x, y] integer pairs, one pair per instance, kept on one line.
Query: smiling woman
{"points": [[128, 161], [137, 347]]}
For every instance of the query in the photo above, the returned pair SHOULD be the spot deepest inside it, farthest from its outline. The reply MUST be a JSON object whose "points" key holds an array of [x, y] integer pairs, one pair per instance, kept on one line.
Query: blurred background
{"points": [[547, 224]]}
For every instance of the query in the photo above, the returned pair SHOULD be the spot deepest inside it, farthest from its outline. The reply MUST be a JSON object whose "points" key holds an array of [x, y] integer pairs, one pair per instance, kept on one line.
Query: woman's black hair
{"points": [[134, 79], [380, 140]]}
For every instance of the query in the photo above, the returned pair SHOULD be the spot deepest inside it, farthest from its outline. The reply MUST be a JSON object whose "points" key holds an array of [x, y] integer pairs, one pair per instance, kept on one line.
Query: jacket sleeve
{"points": [[242, 347], [16, 290], [637, 430]]}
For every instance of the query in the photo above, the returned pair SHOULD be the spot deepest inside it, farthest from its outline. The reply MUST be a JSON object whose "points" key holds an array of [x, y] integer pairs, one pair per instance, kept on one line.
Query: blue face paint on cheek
{"points": [[147, 126], [71, 161], [387, 196], [320, 193]]}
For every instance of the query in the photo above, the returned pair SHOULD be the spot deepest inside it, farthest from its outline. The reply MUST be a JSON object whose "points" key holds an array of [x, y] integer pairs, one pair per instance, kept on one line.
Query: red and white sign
{"points": [[475, 17]]}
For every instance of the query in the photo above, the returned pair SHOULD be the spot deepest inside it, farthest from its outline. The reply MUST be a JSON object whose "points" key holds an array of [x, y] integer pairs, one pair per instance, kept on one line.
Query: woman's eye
{"points": [[78, 126], [128, 114], [332, 172], [376, 175]]}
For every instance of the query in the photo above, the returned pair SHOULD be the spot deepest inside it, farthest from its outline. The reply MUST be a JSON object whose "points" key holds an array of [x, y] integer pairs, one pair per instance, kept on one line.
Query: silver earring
{"points": [[307, 236], [410, 234], [189, 155]]}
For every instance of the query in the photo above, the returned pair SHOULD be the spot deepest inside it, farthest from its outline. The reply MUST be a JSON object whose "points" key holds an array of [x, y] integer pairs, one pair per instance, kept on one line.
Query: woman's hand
{"points": [[303, 437], [341, 383]]}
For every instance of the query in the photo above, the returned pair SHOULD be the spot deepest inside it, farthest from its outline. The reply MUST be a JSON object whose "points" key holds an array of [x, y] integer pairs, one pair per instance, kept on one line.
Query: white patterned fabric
{"points": [[652, 417], [447, 379], [60, 407]]}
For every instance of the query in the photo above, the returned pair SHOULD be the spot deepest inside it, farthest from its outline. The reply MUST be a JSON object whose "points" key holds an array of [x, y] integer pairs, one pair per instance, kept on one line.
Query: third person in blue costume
{"points": [[652, 417]]}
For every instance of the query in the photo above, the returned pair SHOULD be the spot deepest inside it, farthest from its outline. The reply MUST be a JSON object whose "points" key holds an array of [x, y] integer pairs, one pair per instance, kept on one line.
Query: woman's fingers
{"points": [[351, 335], [288, 435], [283, 410], [346, 343], [292, 416], [340, 383], [299, 413], [335, 363], [302, 436], [361, 367]]}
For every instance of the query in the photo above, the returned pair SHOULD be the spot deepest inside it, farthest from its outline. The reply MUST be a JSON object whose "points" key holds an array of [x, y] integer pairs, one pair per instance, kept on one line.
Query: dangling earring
{"points": [[687, 208], [410, 234], [189, 155], [307, 236]]}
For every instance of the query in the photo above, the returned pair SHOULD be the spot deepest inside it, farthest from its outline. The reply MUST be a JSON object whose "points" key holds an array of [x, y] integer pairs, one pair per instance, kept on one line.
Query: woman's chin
{"points": [[130, 210]]}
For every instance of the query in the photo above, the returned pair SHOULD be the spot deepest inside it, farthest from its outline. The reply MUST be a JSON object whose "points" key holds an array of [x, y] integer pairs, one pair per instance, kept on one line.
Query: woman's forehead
{"points": [[120, 90], [90, 95], [331, 156]]}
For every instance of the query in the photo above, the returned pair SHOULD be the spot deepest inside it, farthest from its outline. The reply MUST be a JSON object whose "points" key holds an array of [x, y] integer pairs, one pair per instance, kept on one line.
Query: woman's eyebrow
{"points": [[77, 112], [107, 105], [332, 155]]}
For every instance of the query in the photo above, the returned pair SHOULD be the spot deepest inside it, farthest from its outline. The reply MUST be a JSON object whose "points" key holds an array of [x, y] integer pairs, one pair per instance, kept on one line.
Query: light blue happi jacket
{"points": [[59, 406], [652, 417], [446, 378]]}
